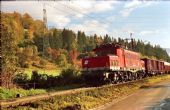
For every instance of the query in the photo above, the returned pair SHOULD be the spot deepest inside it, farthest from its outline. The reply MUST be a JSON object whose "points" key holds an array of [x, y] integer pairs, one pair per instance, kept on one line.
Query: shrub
{"points": [[61, 60], [43, 62], [70, 75], [21, 78]]}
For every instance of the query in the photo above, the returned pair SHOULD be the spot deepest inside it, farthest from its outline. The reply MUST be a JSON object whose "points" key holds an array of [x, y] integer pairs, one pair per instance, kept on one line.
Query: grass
{"points": [[66, 87], [94, 97], [11, 93], [158, 79], [153, 80], [53, 72]]}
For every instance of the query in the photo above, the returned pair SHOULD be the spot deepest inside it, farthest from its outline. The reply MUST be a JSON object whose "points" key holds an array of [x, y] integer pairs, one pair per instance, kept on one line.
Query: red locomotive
{"points": [[115, 64]]}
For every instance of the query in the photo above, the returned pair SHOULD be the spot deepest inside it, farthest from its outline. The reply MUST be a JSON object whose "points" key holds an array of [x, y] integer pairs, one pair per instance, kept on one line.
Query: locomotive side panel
{"points": [[96, 63], [121, 56], [132, 60], [129, 60], [114, 63], [110, 62]]}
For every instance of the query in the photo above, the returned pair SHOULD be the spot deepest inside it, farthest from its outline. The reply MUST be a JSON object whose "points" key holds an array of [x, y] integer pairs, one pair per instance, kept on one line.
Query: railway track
{"points": [[29, 99]]}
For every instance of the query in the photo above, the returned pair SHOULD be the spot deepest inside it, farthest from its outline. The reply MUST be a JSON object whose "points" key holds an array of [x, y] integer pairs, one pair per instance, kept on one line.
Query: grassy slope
{"points": [[11, 93], [54, 72], [49, 68], [6, 94], [93, 97]]}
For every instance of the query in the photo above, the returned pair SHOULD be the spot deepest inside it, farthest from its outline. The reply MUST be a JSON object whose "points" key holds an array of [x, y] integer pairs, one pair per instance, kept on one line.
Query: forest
{"points": [[28, 42]]}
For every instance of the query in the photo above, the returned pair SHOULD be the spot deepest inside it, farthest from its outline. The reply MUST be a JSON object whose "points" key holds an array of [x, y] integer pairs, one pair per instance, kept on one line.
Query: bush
{"points": [[21, 78], [61, 61], [70, 75], [43, 80], [43, 62], [26, 65]]}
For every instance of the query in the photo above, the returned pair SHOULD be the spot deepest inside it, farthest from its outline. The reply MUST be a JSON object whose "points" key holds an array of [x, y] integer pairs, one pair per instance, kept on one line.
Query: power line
{"points": [[71, 14], [94, 18], [83, 13]]}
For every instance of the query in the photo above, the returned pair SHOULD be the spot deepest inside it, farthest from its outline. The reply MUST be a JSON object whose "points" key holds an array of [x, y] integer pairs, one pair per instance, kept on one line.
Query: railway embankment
{"points": [[82, 98]]}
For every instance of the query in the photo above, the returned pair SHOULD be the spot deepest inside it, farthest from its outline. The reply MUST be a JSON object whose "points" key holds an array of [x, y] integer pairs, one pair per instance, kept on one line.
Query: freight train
{"points": [[114, 64]]}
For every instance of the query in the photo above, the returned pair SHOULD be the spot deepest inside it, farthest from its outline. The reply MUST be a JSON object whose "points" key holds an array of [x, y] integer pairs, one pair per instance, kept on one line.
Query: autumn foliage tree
{"points": [[9, 58]]}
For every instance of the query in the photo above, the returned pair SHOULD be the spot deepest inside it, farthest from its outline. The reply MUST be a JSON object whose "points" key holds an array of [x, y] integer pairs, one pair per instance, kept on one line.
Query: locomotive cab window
{"points": [[114, 63]]}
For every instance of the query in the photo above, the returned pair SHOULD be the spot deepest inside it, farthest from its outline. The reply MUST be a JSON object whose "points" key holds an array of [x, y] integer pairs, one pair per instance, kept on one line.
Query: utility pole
{"points": [[132, 43], [44, 15], [44, 31], [45, 26]]}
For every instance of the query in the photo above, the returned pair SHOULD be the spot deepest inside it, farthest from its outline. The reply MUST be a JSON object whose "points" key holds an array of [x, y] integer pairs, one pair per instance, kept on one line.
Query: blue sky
{"points": [[147, 20]]}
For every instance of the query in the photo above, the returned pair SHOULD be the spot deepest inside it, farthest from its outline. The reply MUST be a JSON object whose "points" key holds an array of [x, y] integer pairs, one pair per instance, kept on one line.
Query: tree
{"points": [[81, 41], [9, 58], [69, 40], [107, 39], [38, 41], [27, 21], [61, 60], [56, 41]]}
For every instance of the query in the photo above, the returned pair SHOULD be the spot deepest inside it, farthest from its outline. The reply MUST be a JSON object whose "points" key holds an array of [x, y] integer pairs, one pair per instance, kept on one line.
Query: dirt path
{"points": [[156, 97]]}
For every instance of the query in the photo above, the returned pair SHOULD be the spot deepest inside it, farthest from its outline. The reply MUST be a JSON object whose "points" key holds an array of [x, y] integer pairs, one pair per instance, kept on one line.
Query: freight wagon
{"points": [[115, 64]]}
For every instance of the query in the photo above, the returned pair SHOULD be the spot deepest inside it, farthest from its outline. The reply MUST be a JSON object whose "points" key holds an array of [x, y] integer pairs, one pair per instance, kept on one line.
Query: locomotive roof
{"points": [[113, 45], [109, 55], [130, 51]]}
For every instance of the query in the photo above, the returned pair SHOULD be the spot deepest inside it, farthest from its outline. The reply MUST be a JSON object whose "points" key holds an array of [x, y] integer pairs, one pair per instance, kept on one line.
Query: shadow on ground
{"points": [[157, 86], [162, 105]]}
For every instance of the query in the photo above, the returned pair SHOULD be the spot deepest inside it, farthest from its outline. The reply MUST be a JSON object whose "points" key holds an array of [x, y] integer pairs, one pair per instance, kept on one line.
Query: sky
{"points": [[146, 20]]}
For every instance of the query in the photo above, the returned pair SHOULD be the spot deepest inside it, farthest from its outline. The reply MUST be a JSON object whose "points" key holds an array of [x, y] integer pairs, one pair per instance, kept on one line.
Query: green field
{"points": [[53, 72], [11, 93]]}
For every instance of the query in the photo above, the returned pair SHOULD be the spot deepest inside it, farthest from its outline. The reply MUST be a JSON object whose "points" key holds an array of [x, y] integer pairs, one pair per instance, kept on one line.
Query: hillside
{"points": [[38, 46]]}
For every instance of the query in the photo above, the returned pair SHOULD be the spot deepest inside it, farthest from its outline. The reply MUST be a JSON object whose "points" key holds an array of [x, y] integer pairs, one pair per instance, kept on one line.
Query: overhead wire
{"points": [[88, 16]]}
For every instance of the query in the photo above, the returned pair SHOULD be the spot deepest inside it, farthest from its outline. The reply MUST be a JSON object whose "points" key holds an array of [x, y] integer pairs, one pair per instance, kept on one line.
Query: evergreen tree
{"points": [[69, 41], [38, 41], [80, 41], [56, 41], [107, 39]]}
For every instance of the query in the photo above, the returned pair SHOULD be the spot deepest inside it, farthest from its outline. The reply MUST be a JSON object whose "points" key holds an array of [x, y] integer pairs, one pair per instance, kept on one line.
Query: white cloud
{"points": [[91, 27], [60, 12], [131, 6], [92, 6], [149, 32], [110, 18]]}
